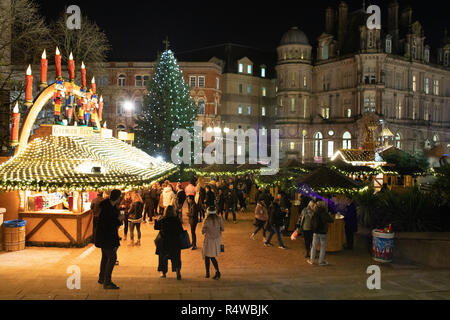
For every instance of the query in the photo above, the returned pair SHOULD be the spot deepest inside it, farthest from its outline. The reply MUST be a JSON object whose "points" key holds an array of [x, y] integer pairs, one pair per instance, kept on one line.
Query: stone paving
{"points": [[249, 270]]}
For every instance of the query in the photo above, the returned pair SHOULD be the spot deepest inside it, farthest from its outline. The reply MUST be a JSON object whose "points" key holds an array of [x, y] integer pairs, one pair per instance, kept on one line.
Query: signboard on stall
{"points": [[106, 133], [69, 131]]}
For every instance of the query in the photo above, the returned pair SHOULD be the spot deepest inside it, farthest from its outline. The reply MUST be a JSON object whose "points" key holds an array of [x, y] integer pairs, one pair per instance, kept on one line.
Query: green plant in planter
{"points": [[368, 208]]}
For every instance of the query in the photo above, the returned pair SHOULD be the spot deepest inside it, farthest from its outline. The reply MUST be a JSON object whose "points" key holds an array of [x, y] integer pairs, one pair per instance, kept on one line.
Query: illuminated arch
{"points": [[33, 112]]}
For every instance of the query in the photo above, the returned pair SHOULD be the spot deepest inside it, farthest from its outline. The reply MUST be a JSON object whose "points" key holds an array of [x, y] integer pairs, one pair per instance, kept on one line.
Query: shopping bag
{"points": [[185, 241], [294, 235]]}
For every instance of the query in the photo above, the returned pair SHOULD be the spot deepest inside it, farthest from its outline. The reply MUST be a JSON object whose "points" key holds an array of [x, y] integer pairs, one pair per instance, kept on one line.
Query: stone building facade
{"points": [[324, 97]]}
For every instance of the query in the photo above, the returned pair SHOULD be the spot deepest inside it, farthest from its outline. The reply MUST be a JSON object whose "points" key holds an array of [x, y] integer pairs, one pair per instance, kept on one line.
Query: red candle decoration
{"points": [[29, 88], [71, 68], [44, 68], [93, 86], [100, 108], [58, 64], [83, 76], [15, 126]]}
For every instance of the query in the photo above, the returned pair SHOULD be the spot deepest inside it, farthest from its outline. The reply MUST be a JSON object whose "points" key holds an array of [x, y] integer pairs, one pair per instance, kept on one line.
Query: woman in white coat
{"points": [[212, 229]]}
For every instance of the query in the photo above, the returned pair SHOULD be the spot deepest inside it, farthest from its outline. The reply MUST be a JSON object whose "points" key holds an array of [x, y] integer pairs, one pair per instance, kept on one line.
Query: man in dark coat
{"points": [[231, 200], [181, 197], [107, 237], [274, 223], [351, 222]]}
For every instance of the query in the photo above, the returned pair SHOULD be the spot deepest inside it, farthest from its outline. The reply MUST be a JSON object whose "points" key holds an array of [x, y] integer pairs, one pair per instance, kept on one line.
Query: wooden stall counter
{"points": [[57, 228], [336, 235]]}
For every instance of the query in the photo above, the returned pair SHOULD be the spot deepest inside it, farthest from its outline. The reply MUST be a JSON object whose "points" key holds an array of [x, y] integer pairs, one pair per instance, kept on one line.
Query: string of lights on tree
{"points": [[167, 107]]}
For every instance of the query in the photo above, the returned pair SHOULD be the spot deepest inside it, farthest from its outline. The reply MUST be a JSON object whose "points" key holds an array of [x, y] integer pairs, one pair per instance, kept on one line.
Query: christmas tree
{"points": [[167, 107]]}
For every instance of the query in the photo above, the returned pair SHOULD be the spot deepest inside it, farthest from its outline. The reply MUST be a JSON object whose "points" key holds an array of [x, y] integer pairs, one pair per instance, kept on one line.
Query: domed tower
{"points": [[294, 87]]}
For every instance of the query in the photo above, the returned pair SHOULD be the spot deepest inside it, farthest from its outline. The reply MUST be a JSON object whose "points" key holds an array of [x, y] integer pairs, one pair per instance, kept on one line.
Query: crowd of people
{"points": [[210, 203]]}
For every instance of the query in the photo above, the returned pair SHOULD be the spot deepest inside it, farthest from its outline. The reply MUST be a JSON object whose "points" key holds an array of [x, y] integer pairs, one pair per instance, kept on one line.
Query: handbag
{"points": [[185, 241], [294, 235], [158, 240], [222, 248]]}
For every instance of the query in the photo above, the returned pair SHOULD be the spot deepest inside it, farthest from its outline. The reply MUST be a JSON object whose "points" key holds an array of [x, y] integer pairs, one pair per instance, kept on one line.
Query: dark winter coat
{"points": [[210, 199], [181, 197], [170, 230], [231, 199], [193, 213], [275, 216], [107, 235], [325, 218], [350, 217], [136, 209], [220, 202]]}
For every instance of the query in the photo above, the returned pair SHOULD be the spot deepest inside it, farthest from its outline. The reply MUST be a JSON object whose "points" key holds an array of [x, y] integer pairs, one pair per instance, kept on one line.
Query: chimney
{"points": [[329, 23], [393, 17], [343, 14], [406, 17]]}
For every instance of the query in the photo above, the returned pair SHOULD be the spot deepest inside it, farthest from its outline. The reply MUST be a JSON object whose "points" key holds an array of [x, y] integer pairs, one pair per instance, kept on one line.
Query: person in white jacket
{"points": [[168, 196]]}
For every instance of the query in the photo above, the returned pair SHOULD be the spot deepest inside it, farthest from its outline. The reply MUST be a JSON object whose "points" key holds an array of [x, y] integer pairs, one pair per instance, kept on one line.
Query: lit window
{"points": [[217, 83], [293, 104], [305, 83], [318, 144], [330, 149], [427, 86], [264, 92], [292, 145], [249, 110], [138, 81], [347, 140], [121, 81], [389, 45], [305, 107], [325, 52], [249, 89], [201, 106], [263, 111], [249, 69], [369, 104], [398, 143], [192, 81], [201, 82], [326, 112], [263, 72], [239, 109], [436, 87], [146, 80], [349, 113], [414, 83], [239, 150], [399, 110], [241, 67]]}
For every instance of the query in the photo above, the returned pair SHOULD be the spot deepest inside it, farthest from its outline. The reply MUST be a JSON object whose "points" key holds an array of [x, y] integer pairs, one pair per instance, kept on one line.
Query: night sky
{"points": [[136, 29]]}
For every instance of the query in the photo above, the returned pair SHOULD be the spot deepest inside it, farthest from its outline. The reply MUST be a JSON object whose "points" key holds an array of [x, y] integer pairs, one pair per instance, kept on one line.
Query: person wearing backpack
{"points": [[304, 226], [319, 223]]}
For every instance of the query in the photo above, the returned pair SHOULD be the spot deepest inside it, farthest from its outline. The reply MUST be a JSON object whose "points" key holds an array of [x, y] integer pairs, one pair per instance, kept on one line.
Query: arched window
{"points": [[201, 106], [120, 106], [121, 80], [436, 139], [138, 106], [318, 144], [398, 143], [347, 140], [120, 127]]}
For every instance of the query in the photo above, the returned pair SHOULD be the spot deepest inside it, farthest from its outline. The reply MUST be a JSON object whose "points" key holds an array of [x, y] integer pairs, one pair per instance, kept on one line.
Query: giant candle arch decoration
{"points": [[40, 101]]}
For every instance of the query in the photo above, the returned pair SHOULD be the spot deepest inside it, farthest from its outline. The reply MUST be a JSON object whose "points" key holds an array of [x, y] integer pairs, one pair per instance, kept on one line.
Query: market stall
{"points": [[58, 175], [322, 184]]}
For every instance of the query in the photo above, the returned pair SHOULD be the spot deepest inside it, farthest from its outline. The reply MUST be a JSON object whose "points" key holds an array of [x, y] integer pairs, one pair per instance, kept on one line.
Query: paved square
{"points": [[249, 270]]}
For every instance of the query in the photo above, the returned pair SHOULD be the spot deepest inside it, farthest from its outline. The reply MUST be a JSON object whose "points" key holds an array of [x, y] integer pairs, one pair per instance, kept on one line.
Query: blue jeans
{"points": [[323, 247], [273, 230]]}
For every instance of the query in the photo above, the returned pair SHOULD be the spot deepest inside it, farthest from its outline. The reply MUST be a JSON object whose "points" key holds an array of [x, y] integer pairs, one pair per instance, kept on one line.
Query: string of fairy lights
{"points": [[56, 164]]}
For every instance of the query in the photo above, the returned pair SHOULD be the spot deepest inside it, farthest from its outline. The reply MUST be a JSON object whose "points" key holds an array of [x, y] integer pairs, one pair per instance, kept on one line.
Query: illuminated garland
{"points": [[56, 163]]}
